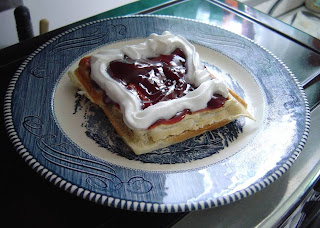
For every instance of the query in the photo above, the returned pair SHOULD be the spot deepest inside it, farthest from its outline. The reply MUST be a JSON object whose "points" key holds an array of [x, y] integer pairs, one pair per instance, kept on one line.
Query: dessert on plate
{"points": [[157, 93]]}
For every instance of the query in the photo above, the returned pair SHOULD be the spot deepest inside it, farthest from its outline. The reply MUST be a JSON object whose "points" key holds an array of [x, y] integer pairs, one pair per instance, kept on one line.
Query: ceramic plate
{"points": [[70, 142]]}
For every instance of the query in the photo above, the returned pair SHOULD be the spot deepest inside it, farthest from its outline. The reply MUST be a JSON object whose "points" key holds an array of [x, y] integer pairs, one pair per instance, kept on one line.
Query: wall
{"points": [[58, 12]]}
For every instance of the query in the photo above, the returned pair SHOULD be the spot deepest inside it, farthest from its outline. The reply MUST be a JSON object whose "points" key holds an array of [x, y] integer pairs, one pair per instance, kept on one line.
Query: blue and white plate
{"points": [[70, 142]]}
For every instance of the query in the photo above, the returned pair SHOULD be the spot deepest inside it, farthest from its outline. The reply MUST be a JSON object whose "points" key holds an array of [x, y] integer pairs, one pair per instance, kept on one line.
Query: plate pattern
{"points": [[36, 135]]}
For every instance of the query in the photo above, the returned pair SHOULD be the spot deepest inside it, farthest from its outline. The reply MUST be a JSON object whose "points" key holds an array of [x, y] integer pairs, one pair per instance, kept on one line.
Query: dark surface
{"points": [[31, 201]]}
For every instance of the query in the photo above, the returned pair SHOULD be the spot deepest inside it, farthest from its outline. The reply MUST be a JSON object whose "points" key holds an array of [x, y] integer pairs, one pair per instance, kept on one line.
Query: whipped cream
{"points": [[133, 115]]}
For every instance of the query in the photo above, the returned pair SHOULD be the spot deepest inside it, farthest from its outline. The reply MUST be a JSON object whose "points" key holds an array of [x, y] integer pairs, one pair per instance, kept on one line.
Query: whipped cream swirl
{"points": [[130, 105]]}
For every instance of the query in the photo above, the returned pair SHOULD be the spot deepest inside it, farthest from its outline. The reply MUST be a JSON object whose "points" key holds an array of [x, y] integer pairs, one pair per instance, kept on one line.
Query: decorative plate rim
{"points": [[140, 205]]}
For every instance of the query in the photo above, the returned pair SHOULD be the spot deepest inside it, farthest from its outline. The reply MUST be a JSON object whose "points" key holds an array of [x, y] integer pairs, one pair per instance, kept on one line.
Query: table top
{"points": [[32, 200]]}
